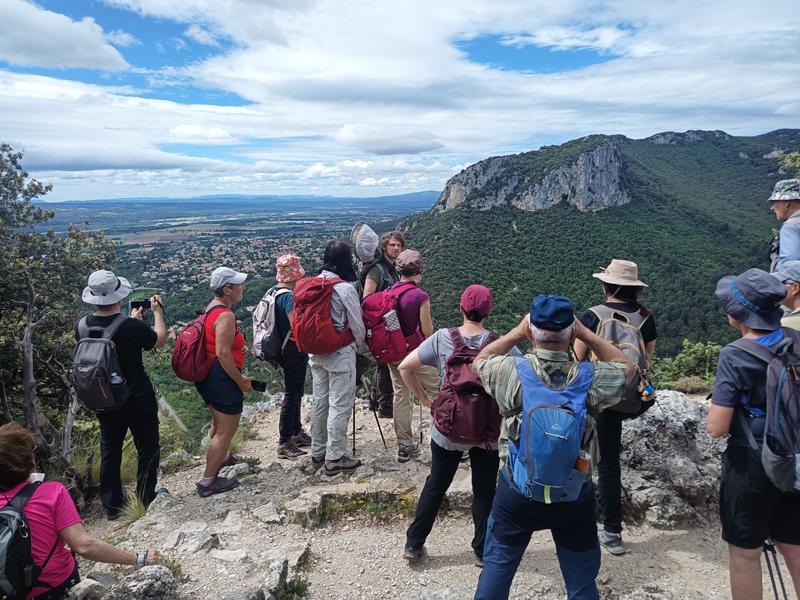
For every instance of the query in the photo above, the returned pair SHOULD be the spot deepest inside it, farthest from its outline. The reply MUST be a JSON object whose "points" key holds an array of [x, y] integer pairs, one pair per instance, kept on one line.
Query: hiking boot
{"points": [[385, 413], [217, 486], [301, 440], [231, 459], [317, 460], [343, 465], [611, 542], [478, 561], [412, 555], [405, 452], [290, 451]]}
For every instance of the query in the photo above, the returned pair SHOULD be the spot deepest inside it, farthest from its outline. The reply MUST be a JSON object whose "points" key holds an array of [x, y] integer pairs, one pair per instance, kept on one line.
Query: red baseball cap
{"points": [[478, 298]]}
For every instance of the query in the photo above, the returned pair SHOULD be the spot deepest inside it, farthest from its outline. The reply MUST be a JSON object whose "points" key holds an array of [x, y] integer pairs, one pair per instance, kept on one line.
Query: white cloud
{"points": [[201, 36], [348, 96], [122, 39], [33, 36]]}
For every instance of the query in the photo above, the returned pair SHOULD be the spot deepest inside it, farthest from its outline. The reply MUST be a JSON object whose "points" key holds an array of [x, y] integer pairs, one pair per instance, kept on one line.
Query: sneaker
{"points": [[232, 459], [343, 465], [290, 451], [217, 486], [478, 561], [405, 452], [412, 555], [611, 542], [301, 440], [317, 460]]}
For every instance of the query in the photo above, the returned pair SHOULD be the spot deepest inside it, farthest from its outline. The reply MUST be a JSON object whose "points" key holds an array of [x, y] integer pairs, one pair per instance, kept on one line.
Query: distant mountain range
{"points": [[687, 207]]}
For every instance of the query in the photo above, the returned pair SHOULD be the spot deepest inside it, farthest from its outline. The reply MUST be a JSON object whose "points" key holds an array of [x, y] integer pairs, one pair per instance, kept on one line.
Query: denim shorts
{"points": [[221, 392]]}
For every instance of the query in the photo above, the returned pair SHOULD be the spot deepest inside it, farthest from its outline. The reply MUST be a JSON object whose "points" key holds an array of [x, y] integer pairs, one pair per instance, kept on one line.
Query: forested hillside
{"points": [[698, 210]]}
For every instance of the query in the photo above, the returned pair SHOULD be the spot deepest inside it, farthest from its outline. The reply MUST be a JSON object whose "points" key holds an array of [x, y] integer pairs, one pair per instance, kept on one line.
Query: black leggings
{"points": [[609, 471], [444, 464]]}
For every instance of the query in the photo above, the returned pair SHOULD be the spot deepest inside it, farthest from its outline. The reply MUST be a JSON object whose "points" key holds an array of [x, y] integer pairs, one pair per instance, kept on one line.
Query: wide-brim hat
{"points": [[105, 288], [786, 190], [752, 298], [620, 272]]}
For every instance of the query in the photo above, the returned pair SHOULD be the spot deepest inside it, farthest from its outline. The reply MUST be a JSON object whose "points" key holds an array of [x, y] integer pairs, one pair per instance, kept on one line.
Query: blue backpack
{"points": [[543, 461]]}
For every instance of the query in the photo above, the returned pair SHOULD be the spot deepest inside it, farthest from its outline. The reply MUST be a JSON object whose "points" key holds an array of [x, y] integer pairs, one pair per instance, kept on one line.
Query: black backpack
{"points": [[780, 452], [98, 378], [19, 573]]}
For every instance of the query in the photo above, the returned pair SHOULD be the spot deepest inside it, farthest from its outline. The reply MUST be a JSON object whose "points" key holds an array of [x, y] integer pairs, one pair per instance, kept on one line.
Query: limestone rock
{"points": [[232, 556], [237, 470], [267, 513], [232, 522], [148, 583], [87, 589], [254, 594], [275, 573], [296, 555], [593, 182], [459, 494], [670, 466]]}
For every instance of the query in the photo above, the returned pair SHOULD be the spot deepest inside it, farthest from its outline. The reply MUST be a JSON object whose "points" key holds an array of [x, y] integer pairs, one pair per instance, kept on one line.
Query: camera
{"points": [[259, 386], [140, 304]]}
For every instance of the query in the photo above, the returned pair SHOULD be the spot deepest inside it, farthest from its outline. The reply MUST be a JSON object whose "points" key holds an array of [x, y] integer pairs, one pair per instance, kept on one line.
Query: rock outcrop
{"points": [[670, 466], [592, 182]]}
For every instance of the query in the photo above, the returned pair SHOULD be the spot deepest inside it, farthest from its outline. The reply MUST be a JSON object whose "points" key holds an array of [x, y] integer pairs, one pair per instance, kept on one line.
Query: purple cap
{"points": [[478, 298]]}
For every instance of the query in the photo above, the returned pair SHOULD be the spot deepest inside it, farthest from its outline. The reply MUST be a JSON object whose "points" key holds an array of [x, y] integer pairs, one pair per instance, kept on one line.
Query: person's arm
{"points": [[88, 546], [224, 332], [159, 324], [355, 320], [425, 320], [408, 371], [581, 350], [370, 285], [504, 344], [649, 351], [718, 421]]}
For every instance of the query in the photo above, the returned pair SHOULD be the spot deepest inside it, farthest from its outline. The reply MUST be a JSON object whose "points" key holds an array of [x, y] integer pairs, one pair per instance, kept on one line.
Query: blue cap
{"points": [[551, 312]]}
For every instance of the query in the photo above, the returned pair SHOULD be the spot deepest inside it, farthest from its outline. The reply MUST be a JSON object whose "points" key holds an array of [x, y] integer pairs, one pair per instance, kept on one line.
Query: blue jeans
{"points": [[513, 520]]}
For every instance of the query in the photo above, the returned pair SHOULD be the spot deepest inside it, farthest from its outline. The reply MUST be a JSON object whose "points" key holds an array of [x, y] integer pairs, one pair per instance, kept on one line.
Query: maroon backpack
{"points": [[463, 412], [189, 359]]}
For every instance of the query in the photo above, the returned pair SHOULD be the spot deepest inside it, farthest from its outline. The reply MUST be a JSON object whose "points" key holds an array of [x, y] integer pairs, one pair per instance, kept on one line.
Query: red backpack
{"points": [[463, 411], [313, 325], [189, 359], [385, 336]]}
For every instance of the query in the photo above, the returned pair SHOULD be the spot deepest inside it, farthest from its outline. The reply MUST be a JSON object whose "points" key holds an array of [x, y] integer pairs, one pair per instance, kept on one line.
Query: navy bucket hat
{"points": [[752, 298]]}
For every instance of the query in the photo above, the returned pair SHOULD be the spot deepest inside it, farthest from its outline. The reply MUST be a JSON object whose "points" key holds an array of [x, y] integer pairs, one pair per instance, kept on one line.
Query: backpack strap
{"points": [[112, 328], [21, 498], [455, 336], [747, 431], [755, 349]]}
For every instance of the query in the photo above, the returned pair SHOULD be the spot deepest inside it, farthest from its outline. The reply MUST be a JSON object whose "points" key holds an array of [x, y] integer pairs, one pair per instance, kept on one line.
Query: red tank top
{"points": [[237, 348]]}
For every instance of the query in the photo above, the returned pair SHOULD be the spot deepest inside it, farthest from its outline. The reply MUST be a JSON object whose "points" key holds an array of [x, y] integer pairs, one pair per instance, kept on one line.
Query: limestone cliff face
{"points": [[594, 181]]}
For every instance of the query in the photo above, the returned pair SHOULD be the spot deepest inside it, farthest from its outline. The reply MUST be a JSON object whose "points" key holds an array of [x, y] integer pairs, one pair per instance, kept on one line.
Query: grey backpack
{"points": [[266, 343], [98, 378], [780, 452], [624, 330]]}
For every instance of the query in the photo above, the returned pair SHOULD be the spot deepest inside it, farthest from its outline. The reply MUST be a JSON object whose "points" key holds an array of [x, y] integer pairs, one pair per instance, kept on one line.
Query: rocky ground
{"points": [[289, 531]]}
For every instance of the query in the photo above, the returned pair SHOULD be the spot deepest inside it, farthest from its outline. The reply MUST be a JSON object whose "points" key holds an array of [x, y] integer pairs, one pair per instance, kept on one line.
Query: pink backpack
{"points": [[384, 335], [463, 411]]}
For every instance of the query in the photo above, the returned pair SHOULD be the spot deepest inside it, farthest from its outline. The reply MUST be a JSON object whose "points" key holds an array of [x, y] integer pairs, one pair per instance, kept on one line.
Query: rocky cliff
{"points": [[593, 181]]}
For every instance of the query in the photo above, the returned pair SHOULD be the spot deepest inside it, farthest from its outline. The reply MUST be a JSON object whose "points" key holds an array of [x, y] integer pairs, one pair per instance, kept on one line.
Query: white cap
{"points": [[226, 276]]}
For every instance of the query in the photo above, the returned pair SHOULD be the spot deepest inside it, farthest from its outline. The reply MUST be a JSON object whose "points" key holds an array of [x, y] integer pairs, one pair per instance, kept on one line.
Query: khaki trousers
{"points": [[404, 399]]}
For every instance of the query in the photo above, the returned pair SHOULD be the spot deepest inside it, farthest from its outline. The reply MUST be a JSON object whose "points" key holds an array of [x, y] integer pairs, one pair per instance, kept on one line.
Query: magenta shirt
{"points": [[49, 511], [408, 307]]}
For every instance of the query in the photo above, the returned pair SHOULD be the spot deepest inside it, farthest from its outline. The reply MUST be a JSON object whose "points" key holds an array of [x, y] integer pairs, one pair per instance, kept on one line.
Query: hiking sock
{"points": [[205, 481]]}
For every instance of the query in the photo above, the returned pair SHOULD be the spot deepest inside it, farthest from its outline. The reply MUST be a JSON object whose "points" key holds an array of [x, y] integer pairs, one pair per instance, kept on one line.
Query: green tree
{"points": [[791, 162], [39, 275]]}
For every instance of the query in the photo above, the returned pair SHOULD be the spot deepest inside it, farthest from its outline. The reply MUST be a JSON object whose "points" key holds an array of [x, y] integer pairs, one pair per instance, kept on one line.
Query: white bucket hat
{"points": [[105, 288], [620, 272]]}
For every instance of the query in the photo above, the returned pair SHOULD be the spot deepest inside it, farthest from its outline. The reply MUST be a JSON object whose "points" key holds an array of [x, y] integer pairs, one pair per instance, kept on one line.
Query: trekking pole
{"points": [[366, 385], [420, 422], [769, 547], [354, 429]]}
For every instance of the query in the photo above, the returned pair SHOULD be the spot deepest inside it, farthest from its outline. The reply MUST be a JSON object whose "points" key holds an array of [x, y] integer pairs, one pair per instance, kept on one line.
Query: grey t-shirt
{"points": [[434, 352]]}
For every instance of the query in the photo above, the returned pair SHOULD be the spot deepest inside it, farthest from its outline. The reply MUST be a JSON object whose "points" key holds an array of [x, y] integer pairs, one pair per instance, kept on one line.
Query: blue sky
{"points": [[113, 98]]}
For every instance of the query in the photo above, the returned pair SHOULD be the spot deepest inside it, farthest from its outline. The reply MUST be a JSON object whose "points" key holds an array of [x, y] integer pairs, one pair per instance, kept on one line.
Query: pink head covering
{"points": [[288, 268]]}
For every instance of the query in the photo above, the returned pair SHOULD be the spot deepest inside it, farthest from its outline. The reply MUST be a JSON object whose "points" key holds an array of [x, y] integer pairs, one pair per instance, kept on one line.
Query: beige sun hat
{"points": [[620, 272]]}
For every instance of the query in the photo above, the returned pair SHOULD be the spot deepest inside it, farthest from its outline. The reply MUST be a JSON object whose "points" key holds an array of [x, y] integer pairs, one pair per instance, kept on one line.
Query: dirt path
{"points": [[355, 556]]}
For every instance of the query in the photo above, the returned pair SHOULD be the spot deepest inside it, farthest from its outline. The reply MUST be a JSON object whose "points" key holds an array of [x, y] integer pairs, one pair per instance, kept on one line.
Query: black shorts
{"points": [[221, 392], [751, 508]]}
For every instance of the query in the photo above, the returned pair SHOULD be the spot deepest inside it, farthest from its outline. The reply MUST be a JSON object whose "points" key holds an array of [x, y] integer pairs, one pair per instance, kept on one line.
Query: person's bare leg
{"points": [[226, 426], [212, 431], [745, 572], [791, 555]]}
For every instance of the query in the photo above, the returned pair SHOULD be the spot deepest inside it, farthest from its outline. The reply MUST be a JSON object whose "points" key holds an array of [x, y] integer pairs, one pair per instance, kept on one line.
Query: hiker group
{"points": [[532, 425]]}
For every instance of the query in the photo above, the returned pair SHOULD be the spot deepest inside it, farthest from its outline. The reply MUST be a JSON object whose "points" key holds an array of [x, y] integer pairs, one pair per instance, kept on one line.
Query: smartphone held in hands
{"points": [[259, 386]]}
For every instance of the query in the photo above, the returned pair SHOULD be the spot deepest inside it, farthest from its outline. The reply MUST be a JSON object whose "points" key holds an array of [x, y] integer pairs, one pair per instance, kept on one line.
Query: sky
{"points": [[120, 98]]}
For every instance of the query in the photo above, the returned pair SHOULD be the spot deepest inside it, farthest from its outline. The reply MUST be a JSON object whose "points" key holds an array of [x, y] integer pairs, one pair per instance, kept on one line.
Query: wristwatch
{"points": [[141, 559]]}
